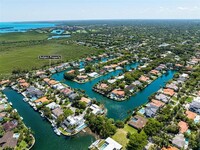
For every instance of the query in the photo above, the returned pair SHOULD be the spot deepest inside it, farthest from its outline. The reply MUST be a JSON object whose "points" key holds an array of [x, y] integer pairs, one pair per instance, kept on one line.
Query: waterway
{"points": [[46, 139], [118, 110]]}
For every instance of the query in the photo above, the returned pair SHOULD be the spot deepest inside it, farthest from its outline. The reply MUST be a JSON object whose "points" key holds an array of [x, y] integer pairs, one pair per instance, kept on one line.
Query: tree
{"points": [[119, 124], [152, 127], [137, 141]]}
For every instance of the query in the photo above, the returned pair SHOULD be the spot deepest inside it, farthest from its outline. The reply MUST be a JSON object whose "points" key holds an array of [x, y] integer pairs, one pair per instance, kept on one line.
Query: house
{"points": [[144, 78], [118, 93], [195, 105], [10, 125], [52, 82], [81, 70], [111, 81], [102, 86], [8, 140], [34, 92], [73, 96], [137, 122], [137, 83], [52, 105], [71, 72], [4, 82], [170, 148], [2, 115], [58, 86], [111, 144], [73, 121], [172, 86], [191, 115], [169, 92], [85, 100], [154, 72], [66, 91], [130, 87], [23, 83], [157, 103], [96, 109], [162, 97], [183, 126], [150, 110], [57, 112], [2, 107], [179, 141], [93, 75], [82, 77], [41, 100]]}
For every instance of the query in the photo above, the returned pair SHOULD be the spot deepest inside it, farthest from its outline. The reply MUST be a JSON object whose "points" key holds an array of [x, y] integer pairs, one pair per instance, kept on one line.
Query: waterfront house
{"points": [[41, 100], [96, 109], [102, 86], [58, 86], [81, 70], [10, 125], [52, 82], [179, 141], [150, 110], [86, 100], [4, 82], [130, 88], [71, 72], [23, 83], [57, 112], [81, 77], [73, 121], [137, 122], [34, 92], [2, 107], [111, 81], [118, 93], [8, 140], [183, 126], [169, 92], [162, 97], [111, 144], [93, 75]]}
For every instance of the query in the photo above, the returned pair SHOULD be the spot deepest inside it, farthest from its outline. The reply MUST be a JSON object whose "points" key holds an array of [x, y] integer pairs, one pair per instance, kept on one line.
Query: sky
{"points": [[50, 10]]}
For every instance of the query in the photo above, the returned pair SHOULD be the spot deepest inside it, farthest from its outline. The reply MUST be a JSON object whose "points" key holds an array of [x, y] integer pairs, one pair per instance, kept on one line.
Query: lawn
{"points": [[22, 146], [120, 135], [26, 57]]}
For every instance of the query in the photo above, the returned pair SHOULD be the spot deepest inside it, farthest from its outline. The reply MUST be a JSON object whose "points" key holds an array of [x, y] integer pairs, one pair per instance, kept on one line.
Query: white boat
{"points": [[10, 103], [56, 131]]}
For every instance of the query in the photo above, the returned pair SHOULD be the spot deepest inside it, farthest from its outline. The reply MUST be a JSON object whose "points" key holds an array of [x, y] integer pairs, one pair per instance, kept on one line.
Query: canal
{"points": [[46, 139], [117, 110]]}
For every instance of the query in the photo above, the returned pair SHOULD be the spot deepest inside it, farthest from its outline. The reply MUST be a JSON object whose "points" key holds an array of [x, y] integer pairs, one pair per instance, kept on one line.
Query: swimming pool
{"points": [[142, 111], [81, 127], [103, 146]]}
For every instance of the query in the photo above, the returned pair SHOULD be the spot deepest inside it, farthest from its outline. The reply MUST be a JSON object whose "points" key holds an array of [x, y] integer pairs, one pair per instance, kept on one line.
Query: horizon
{"points": [[43, 10]]}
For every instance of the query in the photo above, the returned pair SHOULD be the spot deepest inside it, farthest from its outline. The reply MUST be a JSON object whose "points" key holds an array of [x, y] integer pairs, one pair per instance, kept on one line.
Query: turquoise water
{"points": [[46, 139], [6, 27], [118, 110]]}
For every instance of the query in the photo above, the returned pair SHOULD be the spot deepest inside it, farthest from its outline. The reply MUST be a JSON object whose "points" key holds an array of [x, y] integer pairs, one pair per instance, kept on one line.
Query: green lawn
{"points": [[26, 57], [22, 146], [120, 135]]}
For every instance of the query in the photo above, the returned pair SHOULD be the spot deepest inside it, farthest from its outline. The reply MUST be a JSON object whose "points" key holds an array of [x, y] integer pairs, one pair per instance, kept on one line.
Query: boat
{"points": [[56, 131], [10, 103]]}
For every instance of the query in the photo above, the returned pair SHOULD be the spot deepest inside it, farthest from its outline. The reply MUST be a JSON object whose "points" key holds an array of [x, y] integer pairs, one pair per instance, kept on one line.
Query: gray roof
{"points": [[179, 141], [162, 97], [73, 96], [151, 110]]}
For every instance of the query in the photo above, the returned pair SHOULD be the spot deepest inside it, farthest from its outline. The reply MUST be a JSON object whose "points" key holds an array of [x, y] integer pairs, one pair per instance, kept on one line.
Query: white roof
{"points": [[112, 144], [52, 105], [81, 70], [111, 81], [93, 74], [120, 77]]}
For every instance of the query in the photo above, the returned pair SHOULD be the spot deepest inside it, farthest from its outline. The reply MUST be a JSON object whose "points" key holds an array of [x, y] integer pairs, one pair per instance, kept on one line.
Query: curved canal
{"points": [[46, 139], [118, 110]]}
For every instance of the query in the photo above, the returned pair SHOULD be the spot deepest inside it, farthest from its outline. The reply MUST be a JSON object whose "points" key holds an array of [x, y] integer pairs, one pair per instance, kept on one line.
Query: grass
{"points": [[22, 146], [22, 36], [189, 99], [120, 135], [26, 57]]}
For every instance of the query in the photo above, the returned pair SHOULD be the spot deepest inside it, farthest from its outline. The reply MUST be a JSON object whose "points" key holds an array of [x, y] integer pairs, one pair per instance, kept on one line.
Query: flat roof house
{"points": [[137, 122], [96, 109], [111, 144]]}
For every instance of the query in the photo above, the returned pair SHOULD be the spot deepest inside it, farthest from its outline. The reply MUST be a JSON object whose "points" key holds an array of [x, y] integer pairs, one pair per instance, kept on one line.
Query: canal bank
{"points": [[118, 110], [45, 138]]}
